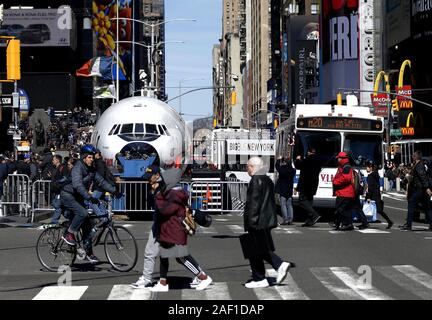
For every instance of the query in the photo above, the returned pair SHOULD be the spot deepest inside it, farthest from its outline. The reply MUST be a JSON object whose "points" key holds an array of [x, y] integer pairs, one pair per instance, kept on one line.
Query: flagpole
{"points": [[117, 54]]}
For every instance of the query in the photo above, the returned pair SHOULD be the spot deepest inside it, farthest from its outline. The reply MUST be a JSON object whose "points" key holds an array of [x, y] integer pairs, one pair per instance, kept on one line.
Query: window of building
{"points": [[314, 8]]}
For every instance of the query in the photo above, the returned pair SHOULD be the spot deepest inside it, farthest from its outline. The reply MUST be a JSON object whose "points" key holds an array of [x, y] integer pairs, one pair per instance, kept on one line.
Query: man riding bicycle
{"points": [[75, 194]]}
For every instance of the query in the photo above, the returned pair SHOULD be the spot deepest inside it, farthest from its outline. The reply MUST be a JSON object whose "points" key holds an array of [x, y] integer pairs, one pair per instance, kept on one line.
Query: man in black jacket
{"points": [[284, 187], [419, 191], [310, 168], [259, 218]]}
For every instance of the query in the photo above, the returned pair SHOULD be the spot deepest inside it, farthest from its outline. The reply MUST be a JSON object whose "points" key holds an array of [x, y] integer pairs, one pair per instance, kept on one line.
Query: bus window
{"points": [[327, 145], [364, 148]]}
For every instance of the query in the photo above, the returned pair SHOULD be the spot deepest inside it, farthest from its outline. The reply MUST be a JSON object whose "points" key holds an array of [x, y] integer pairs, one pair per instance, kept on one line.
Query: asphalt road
{"points": [[370, 264]]}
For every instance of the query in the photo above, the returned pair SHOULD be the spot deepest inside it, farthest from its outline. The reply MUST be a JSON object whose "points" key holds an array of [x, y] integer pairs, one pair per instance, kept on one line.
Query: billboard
{"points": [[40, 27], [339, 42], [397, 21], [421, 19]]}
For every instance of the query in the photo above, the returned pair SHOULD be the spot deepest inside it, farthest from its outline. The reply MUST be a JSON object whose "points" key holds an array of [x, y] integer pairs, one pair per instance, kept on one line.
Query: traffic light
{"points": [[395, 105], [339, 99], [233, 98], [13, 66]]}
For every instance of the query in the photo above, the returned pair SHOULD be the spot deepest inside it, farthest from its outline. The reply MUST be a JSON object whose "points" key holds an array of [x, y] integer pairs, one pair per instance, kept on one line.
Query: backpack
{"points": [[358, 182]]}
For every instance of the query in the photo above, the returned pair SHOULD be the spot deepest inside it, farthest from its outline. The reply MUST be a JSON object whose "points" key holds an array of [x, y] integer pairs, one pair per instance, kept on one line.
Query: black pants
{"points": [[305, 202], [189, 262], [343, 210]]}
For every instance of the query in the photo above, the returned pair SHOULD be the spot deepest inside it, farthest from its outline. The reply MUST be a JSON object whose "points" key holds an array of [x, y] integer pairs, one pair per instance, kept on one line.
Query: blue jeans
{"points": [[416, 197], [56, 203], [77, 209], [287, 209]]}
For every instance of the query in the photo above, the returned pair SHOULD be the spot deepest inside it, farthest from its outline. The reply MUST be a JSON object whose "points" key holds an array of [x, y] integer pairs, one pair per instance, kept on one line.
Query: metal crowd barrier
{"points": [[41, 197], [219, 196], [16, 194]]}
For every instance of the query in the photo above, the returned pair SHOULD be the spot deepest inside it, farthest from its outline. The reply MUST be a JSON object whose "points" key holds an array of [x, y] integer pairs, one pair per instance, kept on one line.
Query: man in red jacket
{"points": [[344, 191]]}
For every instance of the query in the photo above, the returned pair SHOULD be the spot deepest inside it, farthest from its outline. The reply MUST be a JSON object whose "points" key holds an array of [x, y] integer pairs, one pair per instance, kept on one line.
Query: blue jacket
{"points": [[82, 177]]}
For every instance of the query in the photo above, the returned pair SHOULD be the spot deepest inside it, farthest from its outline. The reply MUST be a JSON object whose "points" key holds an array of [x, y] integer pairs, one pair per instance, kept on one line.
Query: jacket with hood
{"points": [[171, 202], [343, 180], [82, 177]]}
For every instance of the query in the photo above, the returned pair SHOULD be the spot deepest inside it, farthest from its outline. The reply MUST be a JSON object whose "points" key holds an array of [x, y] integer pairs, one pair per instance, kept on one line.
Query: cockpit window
{"points": [[127, 128], [117, 129], [161, 130], [139, 128], [112, 130], [151, 128], [166, 130]]}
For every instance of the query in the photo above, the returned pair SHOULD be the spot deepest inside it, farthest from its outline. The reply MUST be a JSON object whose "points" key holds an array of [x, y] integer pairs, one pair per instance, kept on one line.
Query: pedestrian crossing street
{"points": [[342, 283]]}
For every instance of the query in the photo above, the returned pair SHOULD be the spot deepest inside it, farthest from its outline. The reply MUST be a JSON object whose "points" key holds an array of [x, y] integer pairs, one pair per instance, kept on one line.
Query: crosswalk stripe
{"points": [[216, 291], [416, 274], [210, 229], [334, 284], [61, 293], [350, 278], [289, 290], [268, 293], [372, 231], [126, 292], [235, 228], [279, 230], [412, 284]]}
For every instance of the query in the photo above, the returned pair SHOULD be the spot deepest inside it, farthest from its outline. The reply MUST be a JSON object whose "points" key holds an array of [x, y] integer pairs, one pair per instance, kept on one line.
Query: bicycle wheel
{"points": [[52, 251], [121, 249]]}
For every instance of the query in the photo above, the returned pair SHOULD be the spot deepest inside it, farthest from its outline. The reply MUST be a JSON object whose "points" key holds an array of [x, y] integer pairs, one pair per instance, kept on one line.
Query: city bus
{"points": [[330, 130]]}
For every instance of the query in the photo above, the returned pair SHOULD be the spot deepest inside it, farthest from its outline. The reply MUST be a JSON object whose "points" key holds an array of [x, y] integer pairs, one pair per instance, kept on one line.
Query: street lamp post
{"points": [[180, 82]]}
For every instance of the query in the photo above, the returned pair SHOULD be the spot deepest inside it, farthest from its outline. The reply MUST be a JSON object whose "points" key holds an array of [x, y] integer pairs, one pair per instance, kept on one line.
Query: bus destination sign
{"points": [[339, 123]]}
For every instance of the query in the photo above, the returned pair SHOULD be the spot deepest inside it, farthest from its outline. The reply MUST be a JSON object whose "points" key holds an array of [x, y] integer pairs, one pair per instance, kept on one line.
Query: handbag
{"points": [[256, 243], [370, 210], [189, 224]]}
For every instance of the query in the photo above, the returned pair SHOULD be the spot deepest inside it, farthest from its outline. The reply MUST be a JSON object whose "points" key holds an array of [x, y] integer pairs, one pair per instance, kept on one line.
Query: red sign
{"points": [[404, 91], [381, 112], [380, 100]]}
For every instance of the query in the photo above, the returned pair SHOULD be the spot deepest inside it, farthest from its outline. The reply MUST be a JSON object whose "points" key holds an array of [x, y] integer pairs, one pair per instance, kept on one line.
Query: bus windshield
{"points": [[364, 148], [327, 145]]}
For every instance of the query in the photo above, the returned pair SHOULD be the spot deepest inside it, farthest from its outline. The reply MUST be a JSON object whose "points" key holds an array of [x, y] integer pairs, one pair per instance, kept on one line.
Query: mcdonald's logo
{"points": [[407, 131], [395, 105], [409, 119], [405, 104]]}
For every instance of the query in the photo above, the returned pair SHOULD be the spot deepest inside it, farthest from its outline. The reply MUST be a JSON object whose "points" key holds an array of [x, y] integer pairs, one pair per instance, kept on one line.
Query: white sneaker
{"points": [[195, 282], [141, 283], [257, 284], [160, 288], [204, 284], [282, 272]]}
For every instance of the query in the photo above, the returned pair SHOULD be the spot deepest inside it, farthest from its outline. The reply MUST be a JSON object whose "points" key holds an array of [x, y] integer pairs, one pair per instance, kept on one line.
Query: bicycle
{"points": [[120, 245]]}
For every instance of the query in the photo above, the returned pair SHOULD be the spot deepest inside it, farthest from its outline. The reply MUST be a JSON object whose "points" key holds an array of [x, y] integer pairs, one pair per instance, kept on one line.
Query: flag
{"points": [[100, 67], [106, 92]]}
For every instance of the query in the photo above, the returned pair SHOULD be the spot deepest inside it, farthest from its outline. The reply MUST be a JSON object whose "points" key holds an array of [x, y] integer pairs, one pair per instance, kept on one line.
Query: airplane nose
{"points": [[140, 150]]}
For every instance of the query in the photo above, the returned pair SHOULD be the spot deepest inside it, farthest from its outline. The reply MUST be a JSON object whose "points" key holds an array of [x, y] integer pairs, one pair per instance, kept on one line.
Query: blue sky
{"points": [[191, 60]]}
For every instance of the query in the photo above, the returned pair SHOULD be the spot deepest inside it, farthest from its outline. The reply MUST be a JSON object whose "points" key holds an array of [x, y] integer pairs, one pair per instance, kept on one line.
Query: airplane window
{"points": [[166, 130], [151, 128], [139, 128], [127, 128], [112, 130], [117, 129], [161, 130]]}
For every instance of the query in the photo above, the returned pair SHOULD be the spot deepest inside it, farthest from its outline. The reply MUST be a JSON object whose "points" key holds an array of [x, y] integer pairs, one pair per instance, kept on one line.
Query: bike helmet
{"points": [[88, 149]]}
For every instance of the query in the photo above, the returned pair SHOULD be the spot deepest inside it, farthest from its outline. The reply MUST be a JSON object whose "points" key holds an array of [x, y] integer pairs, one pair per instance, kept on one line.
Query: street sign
{"points": [[396, 133], [6, 100]]}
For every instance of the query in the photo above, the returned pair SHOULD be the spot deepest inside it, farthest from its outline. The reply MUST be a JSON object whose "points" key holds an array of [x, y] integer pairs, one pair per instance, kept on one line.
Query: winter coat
{"points": [[285, 182], [420, 180], [343, 180], [310, 168], [373, 190], [260, 208], [171, 202], [82, 177]]}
